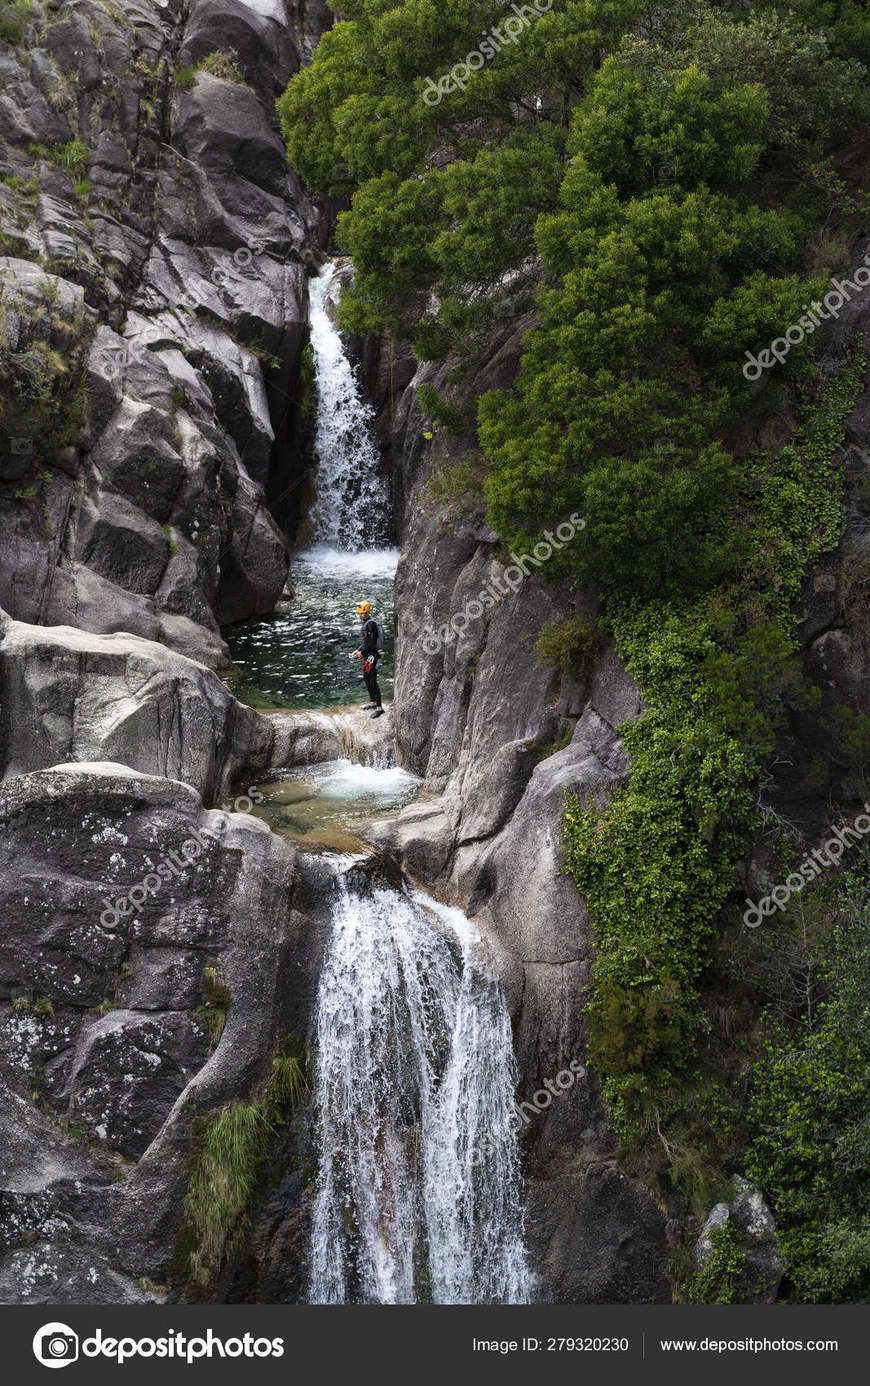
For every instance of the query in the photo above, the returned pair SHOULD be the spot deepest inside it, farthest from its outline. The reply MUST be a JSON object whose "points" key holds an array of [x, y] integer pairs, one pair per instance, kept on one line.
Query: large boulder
{"points": [[764, 1264], [340, 733], [68, 695], [106, 1055]]}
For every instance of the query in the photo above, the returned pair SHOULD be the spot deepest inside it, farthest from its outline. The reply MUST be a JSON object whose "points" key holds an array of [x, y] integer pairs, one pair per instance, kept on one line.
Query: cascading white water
{"points": [[415, 1064], [415, 1067], [351, 510]]}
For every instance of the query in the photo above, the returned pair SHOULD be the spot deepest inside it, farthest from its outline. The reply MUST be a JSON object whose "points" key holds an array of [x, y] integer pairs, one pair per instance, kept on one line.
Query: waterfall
{"points": [[351, 511], [415, 1067]]}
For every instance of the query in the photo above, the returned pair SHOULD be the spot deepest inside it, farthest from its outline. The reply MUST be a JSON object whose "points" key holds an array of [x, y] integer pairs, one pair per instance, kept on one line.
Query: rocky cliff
{"points": [[153, 285], [153, 288]]}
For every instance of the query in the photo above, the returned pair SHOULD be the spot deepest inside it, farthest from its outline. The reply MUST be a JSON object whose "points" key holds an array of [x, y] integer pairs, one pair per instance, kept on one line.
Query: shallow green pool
{"points": [[318, 804]]}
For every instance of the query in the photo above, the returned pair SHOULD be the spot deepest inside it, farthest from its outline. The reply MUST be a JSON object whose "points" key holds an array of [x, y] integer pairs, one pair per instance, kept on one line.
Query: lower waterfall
{"points": [[415, 1068]]}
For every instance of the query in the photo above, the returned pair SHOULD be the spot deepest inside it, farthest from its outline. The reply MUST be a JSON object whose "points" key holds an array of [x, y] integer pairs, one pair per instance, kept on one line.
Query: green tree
{"points": [[445, 194], [667, 261]]}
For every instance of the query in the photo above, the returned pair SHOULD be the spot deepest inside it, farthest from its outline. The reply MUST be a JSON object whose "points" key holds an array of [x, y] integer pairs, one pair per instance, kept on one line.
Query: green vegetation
{"points": [[660, 863], [809, 1103], [216, 1003], [229, 1148], [458, 482], [846, 21], [722, 1278], [71, 158], [668, 263], [223, 65], [43, 379], [219, 64], [306, 365], [569, 646], [544, 749], [183, 77], [14, 16]]}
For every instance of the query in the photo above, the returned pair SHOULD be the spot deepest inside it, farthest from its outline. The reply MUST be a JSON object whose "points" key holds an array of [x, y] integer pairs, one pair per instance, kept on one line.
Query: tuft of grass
{"points": [[215, 991], [459, 483], [14, 16], [21, 1003], [42, 1006], [216, 1003], [222, 65], [149, 1286], [228, 1151], [71, 158]]}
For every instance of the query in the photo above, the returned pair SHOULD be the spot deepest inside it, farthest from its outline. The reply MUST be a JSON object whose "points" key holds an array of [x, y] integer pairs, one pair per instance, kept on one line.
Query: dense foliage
{"points": [[719, 672]]}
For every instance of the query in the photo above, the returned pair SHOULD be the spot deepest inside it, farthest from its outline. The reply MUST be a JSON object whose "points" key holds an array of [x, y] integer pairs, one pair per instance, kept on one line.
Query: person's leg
{"points": [[374, 692]]}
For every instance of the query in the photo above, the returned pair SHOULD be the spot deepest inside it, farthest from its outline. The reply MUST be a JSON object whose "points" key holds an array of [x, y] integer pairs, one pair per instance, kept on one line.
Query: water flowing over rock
{"points": [[415, 1070], [352, 507]]}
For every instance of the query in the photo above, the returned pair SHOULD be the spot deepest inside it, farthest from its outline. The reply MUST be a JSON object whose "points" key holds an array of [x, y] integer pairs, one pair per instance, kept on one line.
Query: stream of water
{"points": [[415, 1066], [299, 657], [414, 1054]]}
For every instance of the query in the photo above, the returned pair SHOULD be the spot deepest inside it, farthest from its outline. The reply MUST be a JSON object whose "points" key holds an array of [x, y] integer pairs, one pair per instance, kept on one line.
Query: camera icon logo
{"points": [[55, 1345]]}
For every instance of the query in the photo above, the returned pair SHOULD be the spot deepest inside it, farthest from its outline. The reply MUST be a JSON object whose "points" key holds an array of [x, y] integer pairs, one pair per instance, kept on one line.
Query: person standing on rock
{"points": [[373, 639]]}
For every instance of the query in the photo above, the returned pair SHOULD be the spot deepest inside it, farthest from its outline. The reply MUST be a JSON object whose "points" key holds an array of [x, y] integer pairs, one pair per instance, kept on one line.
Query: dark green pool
{"points": [[299, 658]]}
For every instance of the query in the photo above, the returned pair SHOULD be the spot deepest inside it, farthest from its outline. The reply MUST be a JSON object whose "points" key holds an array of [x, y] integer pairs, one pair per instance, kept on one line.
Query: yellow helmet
{"points": [[363, 609]]}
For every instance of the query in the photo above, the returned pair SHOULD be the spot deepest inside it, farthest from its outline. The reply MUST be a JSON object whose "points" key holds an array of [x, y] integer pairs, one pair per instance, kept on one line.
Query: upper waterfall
{"points": [[352, 509]]}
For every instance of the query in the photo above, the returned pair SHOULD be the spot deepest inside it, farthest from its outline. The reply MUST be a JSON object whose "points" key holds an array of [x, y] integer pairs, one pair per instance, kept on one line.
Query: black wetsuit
{"points": [[370, 655]]}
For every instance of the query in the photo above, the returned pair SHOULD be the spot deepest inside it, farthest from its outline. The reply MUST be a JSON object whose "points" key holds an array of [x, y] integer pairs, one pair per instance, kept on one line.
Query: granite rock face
{"points": [[66, 695], [499, 740], [104, 1042], [148, 218]]}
